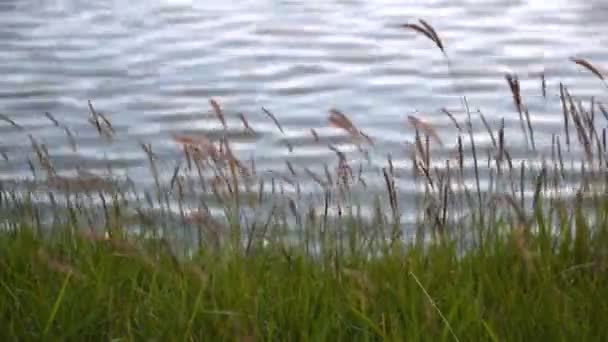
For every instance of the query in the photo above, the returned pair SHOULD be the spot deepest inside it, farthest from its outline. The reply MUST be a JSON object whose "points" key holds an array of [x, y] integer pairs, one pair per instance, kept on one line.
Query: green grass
{"points": [[518, 259], [518, 286]]}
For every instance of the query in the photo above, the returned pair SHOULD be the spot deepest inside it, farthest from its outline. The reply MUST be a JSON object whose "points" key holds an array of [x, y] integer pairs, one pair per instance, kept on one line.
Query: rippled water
{"points": [[153, 65]]}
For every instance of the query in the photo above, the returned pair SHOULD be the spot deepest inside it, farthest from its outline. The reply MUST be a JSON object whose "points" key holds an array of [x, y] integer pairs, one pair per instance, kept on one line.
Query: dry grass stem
{"points": [[428, 31], [218, 112], [273, 118], [587, 65]]}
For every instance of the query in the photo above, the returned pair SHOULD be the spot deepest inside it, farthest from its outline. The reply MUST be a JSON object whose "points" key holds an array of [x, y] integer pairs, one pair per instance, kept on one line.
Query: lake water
{"points": [[153, 65]]}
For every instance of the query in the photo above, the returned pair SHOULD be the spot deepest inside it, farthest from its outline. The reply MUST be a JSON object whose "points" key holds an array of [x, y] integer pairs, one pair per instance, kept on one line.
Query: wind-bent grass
{"points": [[524, 257]]}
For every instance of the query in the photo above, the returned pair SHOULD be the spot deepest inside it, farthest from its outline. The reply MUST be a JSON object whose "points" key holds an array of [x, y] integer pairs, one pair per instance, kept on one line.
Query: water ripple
{"points": [[152, 66]]}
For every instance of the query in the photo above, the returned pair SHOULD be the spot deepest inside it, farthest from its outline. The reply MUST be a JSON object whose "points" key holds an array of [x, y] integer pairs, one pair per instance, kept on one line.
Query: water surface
{"points": [[152, 66]]}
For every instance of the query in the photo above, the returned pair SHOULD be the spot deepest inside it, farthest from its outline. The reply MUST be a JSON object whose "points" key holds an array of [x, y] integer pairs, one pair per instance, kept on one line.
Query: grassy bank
{"points": [[520, 287], [504, 248]]}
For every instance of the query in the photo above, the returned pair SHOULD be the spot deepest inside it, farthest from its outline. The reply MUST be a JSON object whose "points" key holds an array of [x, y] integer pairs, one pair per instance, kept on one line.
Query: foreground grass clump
{"points": [[521, 286]]}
